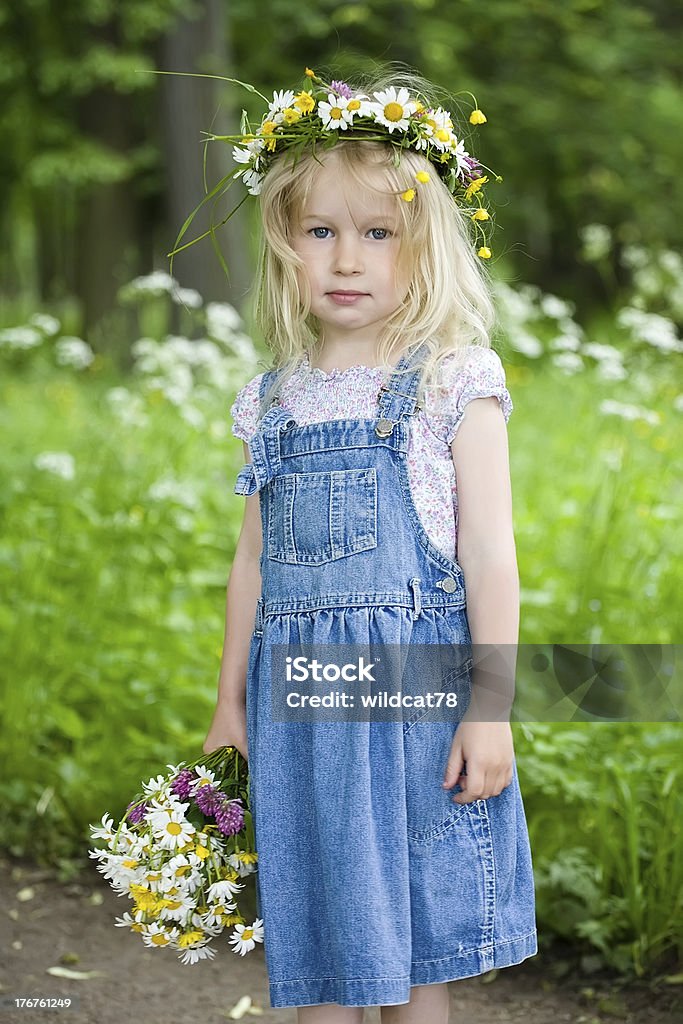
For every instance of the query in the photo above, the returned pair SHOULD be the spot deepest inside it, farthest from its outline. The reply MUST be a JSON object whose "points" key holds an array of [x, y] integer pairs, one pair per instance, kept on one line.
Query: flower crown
{"points": [[326, 113]]}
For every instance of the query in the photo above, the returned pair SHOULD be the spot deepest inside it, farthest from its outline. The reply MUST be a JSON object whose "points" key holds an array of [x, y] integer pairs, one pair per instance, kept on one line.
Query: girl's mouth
{"points": [[346, 298]]}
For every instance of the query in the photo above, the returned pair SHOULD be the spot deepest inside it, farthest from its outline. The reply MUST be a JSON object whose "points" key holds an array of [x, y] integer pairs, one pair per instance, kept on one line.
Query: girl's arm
{"points": [[487, 555], [243, 591]]}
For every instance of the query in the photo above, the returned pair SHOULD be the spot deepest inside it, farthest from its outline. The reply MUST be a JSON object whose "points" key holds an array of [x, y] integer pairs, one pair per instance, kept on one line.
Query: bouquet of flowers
{"points": [[178, 852]]}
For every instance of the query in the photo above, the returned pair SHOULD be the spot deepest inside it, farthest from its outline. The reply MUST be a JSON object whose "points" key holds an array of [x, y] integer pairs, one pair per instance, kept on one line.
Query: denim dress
{"points": [[370, 879]]}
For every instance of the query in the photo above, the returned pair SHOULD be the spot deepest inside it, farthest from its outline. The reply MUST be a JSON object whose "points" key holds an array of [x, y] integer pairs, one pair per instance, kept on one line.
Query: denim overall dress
{"points": [[370, 879]]}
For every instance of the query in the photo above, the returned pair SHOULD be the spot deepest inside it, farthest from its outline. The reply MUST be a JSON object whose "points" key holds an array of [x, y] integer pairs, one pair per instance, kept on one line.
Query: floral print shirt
{"points": [[313, 395]]}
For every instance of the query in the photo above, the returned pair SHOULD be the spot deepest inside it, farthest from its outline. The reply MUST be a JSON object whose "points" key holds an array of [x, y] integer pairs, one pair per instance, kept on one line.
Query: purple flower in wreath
{"points": [[341, 89]]}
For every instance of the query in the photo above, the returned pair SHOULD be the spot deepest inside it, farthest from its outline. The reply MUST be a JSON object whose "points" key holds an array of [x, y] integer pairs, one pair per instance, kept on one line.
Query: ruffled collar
{"points": [[358, 369]]}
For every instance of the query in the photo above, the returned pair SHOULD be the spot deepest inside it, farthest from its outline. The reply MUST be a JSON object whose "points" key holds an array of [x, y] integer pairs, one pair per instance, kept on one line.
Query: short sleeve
{"points": [[245, 409], [481, 376]]}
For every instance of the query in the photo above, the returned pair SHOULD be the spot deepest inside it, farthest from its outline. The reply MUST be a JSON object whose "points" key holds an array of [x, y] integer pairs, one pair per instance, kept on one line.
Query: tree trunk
{"points": [[189, 106]]}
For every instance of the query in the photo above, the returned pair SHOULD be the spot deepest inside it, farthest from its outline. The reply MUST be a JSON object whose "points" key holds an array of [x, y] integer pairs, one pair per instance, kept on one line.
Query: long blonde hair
{"points": [[448, 303]]}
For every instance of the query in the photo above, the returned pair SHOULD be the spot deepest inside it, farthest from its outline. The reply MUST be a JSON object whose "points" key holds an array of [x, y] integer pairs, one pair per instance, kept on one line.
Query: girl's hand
{"points": [[228, 729], [488, 749]]}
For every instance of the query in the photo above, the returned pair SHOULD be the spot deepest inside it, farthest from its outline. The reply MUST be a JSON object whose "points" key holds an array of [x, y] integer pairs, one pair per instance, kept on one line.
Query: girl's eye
{"points": [[313, 230], [384, 235]]}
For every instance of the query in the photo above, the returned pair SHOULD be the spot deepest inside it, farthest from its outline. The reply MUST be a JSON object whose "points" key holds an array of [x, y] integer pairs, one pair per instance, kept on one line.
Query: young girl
{"points": [[393, 855]]}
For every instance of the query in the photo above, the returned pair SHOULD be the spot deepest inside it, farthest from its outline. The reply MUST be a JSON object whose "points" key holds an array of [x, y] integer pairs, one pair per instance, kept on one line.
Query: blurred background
{"points": [[118, 372]]}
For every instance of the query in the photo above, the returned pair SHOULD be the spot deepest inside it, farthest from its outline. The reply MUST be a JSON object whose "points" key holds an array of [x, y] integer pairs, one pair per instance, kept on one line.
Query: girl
{"points": [[393, 855]]}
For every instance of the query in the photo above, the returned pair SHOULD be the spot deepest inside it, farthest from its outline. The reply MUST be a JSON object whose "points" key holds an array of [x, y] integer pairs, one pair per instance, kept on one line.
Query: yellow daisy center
{"points": [[247, 933], [160, 939], [353, 105], [393, 111], [442, 135], [174, 828], [336, 113]]}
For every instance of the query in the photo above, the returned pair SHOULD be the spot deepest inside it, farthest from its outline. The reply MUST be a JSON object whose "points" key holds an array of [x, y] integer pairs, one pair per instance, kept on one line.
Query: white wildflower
{"points": [[71, 351], [58, 463]]}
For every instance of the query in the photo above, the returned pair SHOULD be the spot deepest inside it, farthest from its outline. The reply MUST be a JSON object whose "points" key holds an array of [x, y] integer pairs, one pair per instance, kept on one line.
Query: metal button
{"points": [[384, 427], [448, 584]]}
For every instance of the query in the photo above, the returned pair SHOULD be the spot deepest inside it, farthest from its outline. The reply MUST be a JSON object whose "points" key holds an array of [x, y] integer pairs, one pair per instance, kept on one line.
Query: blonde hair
{"points": [[448, 303]]}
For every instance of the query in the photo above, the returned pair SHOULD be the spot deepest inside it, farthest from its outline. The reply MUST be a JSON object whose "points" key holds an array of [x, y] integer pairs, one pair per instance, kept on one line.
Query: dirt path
{"points": [[71, 925]]}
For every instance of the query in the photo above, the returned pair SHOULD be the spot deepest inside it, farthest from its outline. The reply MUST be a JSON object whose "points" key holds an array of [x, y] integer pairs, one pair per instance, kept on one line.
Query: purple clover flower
{"points": [[208, 799], [341, 89], [230, 817], [137, 814], [182, 783]]}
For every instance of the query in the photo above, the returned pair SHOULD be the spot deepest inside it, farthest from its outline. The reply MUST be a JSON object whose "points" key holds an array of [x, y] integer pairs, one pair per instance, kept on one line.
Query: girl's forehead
{"points": [[333, 191]]}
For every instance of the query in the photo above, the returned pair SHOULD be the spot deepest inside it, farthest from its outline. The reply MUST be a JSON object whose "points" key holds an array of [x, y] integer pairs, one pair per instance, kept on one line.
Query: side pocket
{"points": [[431, 813]]}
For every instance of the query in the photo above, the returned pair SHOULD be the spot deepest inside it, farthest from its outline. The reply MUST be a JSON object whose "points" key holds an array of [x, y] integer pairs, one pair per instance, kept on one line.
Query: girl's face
{"points": [[348, 240]]}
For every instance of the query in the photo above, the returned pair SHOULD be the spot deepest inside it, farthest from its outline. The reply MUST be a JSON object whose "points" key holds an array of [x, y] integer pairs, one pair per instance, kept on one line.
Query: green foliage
{"points": [[604, 804], [86, 49]]}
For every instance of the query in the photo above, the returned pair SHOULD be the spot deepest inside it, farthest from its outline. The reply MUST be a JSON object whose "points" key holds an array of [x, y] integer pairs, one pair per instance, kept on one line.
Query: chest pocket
{"points": [[315, 518]]}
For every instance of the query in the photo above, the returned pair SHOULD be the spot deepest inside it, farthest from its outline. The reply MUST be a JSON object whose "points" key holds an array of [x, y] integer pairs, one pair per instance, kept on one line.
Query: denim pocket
{"points": [[430, 810], [315, 518]]}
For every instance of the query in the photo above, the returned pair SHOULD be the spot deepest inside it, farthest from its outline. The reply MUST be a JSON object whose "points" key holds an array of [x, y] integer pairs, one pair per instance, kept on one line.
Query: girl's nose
{"points": [[347, 257]]}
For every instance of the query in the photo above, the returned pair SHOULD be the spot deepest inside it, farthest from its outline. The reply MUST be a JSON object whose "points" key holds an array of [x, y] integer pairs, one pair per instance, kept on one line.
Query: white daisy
{"points": [[435, 121], [130, 922], [181, 907], [245, 938], [459, 152], [217, 911], [223, 890], [196, 953], [156, 787], [124, 869], [181, 870], [335, 112], [156, 935], [281, 100], [241, 867], [106, 831], [253, 180], [393, 108], [204, 777], [170, 827]]}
